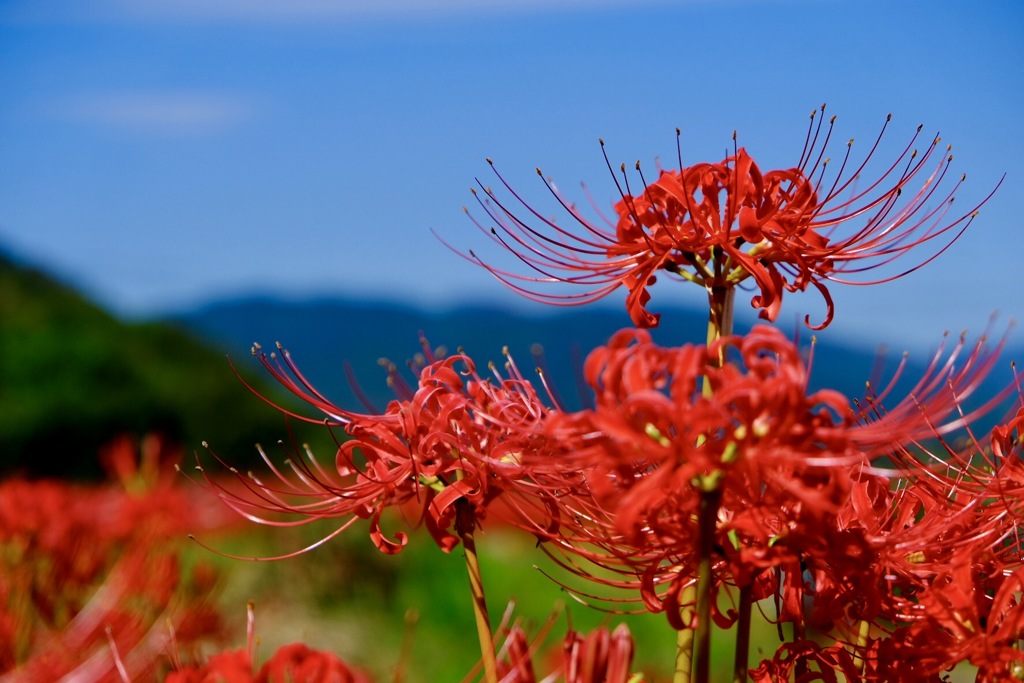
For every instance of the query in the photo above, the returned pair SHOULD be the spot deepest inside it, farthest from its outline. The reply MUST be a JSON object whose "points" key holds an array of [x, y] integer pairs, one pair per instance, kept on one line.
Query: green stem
{"points": [[860, 649], [741, 663], [694, 647], [412, 617], [684, 641], [707, 519], [720, 313], [465, 524]]}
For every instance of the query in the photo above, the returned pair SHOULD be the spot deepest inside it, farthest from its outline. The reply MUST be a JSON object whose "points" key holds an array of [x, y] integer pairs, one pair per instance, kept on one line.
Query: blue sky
{"points": [[159, 153]]}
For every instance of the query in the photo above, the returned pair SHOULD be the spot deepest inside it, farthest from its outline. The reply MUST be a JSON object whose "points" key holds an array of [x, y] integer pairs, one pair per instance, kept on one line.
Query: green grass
{"points": [[348, 598]]}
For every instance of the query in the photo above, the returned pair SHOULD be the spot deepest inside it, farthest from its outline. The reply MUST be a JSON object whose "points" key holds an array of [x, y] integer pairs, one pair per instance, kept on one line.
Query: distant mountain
{"points": [[324, 335], [72, 377]]}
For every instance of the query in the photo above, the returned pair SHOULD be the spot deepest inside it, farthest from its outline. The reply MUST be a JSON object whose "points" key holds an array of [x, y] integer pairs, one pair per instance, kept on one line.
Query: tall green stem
{"points": [[707, 519], [684, 643], [465, 524], [693, 646], [741, 661], [720, 314]]}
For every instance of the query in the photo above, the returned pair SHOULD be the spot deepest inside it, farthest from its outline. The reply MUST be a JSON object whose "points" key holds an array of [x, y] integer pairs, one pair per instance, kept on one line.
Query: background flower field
{"points": [[383, 614]]}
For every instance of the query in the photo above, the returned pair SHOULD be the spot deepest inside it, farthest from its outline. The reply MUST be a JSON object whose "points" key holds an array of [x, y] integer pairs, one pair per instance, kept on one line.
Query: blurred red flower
{"points": [[601, 656], [295, 663], [90, 577], [233, 666]]}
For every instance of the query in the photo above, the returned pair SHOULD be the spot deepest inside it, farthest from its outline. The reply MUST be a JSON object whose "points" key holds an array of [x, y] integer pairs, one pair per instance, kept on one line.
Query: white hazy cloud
{"points": [[162, 112]]}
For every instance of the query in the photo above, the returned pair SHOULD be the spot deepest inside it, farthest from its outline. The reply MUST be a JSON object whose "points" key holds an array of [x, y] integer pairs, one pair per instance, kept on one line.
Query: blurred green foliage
{"points": [[72, 377], [352, 600]]}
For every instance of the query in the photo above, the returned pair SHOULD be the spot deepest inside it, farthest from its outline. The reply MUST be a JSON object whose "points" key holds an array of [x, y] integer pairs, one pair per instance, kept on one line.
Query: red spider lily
{"points": [[449, 446], [601, 656], [934, 499], [969, 612], [935, 578], [120, 633], [775, 460], [790, 657], [807, 493], [90, 577], [295, 663], [948, 562], [228, 667], [720, 224]]}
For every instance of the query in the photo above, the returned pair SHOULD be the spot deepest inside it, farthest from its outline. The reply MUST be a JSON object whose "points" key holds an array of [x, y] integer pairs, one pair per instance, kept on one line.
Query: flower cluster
{"points": [[837, 511], [951, 560], [90, 576], [880, 534], [294, 663]]}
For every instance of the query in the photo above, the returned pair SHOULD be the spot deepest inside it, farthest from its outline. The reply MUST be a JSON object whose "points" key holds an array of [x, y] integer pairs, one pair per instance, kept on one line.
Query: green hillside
{"points": [[72, 377]]}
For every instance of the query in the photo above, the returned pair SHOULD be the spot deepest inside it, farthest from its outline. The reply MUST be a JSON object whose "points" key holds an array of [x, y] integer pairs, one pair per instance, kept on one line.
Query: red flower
{"points": [[599, 657], [719, 224], [226, 667], [297, 663], [449, 446], [90, 575], [808, 496], [775, 459], [949, 558], [791, 656], [602, 656], [968, 612]]}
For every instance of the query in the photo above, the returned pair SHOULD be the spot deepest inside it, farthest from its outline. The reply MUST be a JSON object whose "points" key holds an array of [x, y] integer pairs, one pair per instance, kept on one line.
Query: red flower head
{"points": [[233, 666], [970, 612], [449, 446], [692, 457], [297, 663], [90, 576], [601, 656], [720, 224], [685, 454]]}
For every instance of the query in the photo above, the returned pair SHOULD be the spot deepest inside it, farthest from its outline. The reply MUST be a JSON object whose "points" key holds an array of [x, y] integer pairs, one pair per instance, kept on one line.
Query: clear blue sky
{"points": [[160, 153]]}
